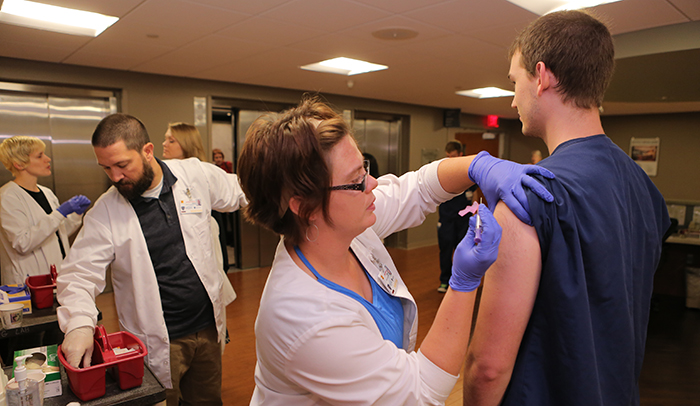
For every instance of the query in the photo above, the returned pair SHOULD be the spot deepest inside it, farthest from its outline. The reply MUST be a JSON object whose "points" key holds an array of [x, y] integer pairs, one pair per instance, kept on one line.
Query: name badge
{"points": [[386, 277], [190, 205]]}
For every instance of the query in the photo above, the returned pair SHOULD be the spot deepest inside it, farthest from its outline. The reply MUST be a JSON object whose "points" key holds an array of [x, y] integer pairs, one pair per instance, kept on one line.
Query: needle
{"points": [[479, 228]]}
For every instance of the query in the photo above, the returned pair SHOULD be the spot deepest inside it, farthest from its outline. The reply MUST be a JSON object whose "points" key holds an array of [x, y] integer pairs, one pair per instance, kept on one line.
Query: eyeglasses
{"points": [[362, 186]]}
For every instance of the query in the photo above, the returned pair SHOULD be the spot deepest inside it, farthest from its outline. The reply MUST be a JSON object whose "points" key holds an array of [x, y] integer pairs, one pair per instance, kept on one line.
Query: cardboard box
{"points": [[21, 297], [45, 359]]}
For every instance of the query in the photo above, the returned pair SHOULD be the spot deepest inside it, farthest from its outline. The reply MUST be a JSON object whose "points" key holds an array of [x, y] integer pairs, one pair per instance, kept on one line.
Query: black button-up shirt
{"points": [[187, 308]]}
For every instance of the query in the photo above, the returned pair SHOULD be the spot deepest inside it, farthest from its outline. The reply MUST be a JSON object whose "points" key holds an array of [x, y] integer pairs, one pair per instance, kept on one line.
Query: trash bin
{"points": [[692, 287]]}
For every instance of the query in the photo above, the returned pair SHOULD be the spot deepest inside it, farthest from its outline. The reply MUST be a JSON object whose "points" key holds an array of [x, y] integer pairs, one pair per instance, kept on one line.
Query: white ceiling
{"points": [[461, 44]]}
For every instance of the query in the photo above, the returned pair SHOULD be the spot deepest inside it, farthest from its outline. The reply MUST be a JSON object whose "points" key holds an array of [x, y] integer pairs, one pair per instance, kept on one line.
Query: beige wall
{"points": [[159, 100], [678, 175]]}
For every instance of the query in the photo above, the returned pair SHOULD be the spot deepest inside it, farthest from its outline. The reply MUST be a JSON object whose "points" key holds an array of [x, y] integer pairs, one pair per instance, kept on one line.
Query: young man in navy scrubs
{"points": [[564, 310]]}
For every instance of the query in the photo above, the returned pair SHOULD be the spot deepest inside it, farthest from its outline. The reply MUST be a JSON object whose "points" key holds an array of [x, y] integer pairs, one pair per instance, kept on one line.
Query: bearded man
{"points": [[153, 228]]}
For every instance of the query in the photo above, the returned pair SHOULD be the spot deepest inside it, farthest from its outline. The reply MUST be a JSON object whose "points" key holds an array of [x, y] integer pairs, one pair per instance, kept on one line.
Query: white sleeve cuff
{"points": [[436, 379]]}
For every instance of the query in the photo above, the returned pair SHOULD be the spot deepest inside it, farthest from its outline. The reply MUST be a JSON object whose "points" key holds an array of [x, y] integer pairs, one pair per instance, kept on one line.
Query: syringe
{"points": [[479, 228]]}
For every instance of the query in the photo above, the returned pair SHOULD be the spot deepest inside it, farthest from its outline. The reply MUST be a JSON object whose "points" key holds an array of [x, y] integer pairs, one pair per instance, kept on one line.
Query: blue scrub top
{"points": [[386, 310]]}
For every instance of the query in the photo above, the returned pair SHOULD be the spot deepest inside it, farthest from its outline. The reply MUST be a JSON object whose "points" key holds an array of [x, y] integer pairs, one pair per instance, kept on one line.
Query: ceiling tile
{"points": [[284, 59], [425, 31], [335, 45], [195, 56], [464, 16], [247, 7], [108, 7], [461, 43], [278, 33], [645, 14], [184, 16], [31, 37], [326, 15], [400, 6], [690, 8]]}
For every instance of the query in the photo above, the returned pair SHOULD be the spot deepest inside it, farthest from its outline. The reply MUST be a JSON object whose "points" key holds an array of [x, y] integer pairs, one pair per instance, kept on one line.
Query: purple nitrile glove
{"points": [[471, 260], [505, 180], [76, 204]]}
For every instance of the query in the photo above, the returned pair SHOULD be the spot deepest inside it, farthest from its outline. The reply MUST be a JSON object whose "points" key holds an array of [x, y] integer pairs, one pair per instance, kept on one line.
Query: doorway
{"points": [[248, 245]]}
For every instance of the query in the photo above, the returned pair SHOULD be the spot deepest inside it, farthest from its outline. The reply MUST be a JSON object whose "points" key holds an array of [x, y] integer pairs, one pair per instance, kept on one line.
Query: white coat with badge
{"points": [[317, 346], [28, 234], [112, 235]]}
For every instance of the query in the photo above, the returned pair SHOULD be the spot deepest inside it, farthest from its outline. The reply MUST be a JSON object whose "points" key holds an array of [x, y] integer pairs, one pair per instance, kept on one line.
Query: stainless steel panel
{"points": [[72, 123], [381, 139], [25, 114]]}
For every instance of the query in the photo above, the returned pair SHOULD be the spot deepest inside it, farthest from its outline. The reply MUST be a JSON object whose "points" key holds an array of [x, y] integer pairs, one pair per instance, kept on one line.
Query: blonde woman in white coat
{"points": [[34, 228]]}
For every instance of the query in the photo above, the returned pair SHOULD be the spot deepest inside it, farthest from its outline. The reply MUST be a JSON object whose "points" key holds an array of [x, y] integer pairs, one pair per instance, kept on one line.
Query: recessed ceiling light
{"points": [[53, 18], [395, 34], [485, 92], [542, 7], [344, 66]]}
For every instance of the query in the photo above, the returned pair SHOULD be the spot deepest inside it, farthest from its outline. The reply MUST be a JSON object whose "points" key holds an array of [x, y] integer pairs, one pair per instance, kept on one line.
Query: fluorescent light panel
{"points": [[542, 7], [486, 93], [53, 18], [344, 66]]}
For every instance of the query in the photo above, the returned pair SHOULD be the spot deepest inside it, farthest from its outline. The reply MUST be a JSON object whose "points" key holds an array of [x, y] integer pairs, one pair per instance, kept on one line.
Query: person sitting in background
{"points": [[34, 227], [535, 156], [218, 156], [336, 323], [451, 227]]}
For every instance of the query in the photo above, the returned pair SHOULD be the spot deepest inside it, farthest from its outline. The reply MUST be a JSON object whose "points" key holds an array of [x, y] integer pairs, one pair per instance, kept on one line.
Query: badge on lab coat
{"points": [[190, 205], [386, 277]]}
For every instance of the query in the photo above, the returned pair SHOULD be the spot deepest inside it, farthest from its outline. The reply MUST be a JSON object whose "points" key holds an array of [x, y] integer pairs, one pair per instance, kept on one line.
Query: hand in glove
{"points": [[471, 260], [76, 204], [504, 180], [77, 346]]}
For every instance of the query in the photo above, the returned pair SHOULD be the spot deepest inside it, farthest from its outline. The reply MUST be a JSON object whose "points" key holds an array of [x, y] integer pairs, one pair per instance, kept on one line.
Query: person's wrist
{"points": [[465, 285]]}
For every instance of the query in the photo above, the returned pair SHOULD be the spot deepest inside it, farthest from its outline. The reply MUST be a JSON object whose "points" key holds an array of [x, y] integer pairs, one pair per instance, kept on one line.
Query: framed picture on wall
{"points": [[645, 152]]}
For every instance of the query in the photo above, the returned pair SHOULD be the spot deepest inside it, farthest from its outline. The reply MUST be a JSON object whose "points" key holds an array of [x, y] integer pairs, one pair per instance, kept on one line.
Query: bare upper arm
{"points": [[508, 295]]}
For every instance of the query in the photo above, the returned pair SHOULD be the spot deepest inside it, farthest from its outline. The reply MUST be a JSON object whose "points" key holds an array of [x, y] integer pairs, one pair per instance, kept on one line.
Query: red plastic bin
{"points": [[41, 289], [127, 369]]}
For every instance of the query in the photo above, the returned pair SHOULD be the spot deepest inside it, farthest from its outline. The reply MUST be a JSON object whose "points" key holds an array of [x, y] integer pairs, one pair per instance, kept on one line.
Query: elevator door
{"points": [[380, 138], [65, 124], [386, 138]]}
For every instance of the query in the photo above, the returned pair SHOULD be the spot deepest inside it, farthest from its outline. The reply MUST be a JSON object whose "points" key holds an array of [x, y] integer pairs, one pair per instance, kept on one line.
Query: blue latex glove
{"points": [[471, 260], [76, 204], [504, 180]]}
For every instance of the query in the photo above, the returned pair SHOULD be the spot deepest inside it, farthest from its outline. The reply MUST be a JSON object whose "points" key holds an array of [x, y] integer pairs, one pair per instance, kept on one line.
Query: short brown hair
{"points": [[576, 47], [17, 149], [120, 127], [189, 138], [285, 156], [454, 146]]}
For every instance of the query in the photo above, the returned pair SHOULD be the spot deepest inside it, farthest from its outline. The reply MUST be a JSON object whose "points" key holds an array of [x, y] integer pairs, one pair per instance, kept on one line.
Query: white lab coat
{"points": [[28, 234], [316, 346], [112, 235]]}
